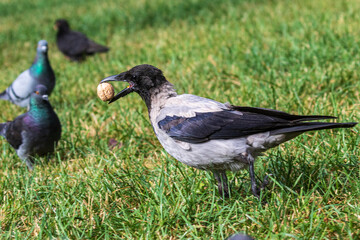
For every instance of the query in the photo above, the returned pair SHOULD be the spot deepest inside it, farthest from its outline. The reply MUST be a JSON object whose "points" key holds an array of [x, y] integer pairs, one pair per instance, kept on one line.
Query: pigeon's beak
{"points": [[124, 92], [45, 97], [43, 48]]}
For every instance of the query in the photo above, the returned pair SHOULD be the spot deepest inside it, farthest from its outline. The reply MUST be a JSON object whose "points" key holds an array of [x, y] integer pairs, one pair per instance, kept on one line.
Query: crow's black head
{"points": [[142, 79], [62, 25]]}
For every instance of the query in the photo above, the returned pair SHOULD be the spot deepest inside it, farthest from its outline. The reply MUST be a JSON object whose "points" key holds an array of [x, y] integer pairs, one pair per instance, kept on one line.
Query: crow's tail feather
{"points": [[311, 126], [280, 114], [96, 48]]}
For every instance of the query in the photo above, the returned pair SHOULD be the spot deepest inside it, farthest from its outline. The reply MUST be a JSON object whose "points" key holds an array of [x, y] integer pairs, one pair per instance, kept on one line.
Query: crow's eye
{"points": [[133, 77]]}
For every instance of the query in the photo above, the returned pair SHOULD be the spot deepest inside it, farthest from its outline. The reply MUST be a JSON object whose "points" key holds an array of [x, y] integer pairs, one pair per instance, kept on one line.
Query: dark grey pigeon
{"points": [[239, 236], [75, 45], [35, 132], [210, 135], [40, 72]]}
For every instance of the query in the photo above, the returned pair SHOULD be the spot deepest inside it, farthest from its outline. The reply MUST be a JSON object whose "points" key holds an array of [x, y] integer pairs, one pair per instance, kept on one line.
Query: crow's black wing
{"points": [[219, 125], [73, 43], [280, 114], [230, 124]]}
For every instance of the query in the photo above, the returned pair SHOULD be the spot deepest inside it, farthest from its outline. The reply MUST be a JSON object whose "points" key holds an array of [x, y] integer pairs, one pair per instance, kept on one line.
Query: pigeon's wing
{"points": [[14, 130], [20, 90], [55, 128], [229, 124], [73, 43], [22, 86]]}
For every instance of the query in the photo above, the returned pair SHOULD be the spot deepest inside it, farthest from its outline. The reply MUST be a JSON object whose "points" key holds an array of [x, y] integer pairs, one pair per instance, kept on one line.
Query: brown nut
{"points": [[105, 91]]}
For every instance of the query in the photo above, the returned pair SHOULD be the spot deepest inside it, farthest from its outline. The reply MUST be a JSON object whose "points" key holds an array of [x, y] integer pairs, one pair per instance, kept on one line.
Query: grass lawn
{"points": [[301, 57]]}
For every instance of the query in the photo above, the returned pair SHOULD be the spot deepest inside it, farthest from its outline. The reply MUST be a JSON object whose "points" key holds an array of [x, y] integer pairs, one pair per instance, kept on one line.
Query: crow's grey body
{"points": [[226, 153], [214, 155], [210, 135]]}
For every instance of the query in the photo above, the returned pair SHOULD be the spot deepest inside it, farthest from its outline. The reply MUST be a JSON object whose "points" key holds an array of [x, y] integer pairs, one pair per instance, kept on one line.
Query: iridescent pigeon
{"points": [[35, 132], [40, 72], [75, 45]]}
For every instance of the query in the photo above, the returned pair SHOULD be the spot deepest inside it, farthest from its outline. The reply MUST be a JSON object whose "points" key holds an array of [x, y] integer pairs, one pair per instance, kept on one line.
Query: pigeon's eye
{"points": [[37, 92]]}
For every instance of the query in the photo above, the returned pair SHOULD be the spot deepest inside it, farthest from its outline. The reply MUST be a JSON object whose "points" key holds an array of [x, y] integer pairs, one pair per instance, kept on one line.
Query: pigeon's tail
{"points": [[96, 48], [4, 95], [2, 129], [311, 126]]}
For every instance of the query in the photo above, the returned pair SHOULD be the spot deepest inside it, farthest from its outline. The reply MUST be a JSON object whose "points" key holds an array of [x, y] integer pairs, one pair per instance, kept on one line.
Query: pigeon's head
{"points": [[142, 79], [62, 25], [40, 95], [42, 46]]}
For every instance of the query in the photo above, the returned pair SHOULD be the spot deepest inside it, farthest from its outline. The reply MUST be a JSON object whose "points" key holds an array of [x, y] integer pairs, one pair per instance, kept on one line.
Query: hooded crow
{"points": [[209, 135]]}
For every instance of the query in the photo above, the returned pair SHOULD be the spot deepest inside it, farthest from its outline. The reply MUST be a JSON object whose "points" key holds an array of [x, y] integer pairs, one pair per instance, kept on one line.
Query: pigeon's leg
{"points": [[22, 152], [29, 164], [222, 181]]}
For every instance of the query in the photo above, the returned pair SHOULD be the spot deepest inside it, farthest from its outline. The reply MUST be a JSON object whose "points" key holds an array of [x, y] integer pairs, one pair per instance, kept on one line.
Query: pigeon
{"points": [[75, 45], [35, 132], [209, 135], [40, 72], [239, 236]]}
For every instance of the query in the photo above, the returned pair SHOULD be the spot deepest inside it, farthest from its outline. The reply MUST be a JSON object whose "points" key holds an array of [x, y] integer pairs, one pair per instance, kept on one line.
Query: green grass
{"points": [[297, 56]]}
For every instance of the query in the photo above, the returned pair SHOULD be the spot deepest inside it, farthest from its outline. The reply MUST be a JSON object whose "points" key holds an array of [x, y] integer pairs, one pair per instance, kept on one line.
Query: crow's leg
{"points": [[225, 184], [222, 181], [255, 190], [265, 182]]}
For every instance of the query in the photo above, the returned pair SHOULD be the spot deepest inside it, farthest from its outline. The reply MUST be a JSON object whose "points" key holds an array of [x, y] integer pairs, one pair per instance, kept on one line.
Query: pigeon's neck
{"points": [[157, 97], [39, 111], [41, 65]]}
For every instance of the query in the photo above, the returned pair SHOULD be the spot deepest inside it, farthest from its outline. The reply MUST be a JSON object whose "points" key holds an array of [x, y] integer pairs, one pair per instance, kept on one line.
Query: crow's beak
{"points": [[124, 92], [112, 78]]}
